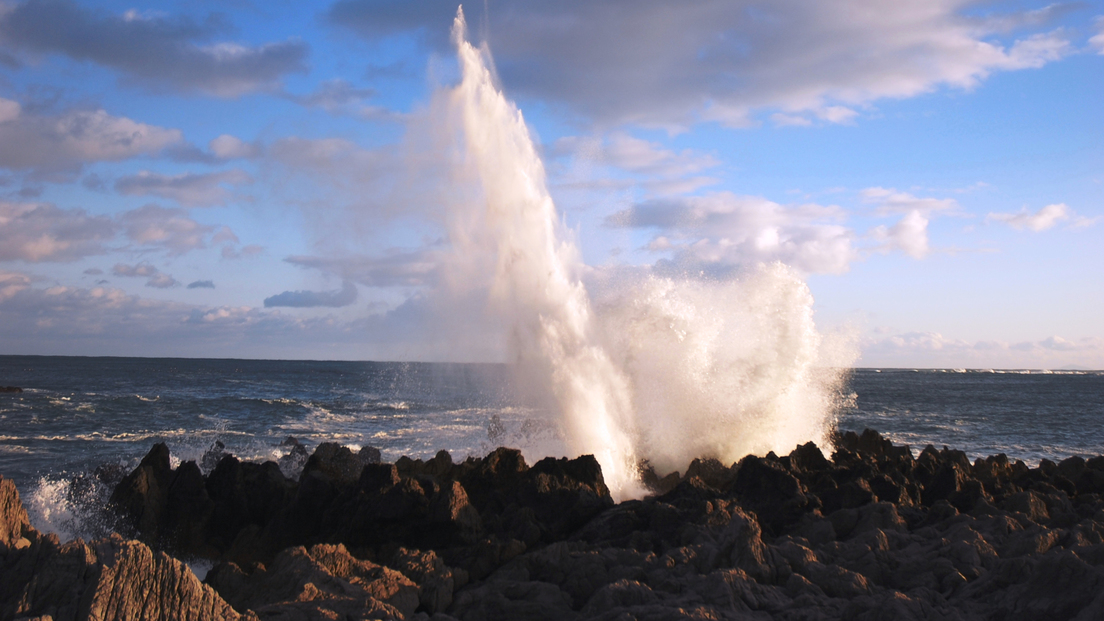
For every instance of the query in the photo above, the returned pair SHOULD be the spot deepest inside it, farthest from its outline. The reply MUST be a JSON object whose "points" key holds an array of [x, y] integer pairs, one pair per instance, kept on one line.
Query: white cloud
{"points": [[43, 232], [1044, 219], [9, 110], [394, 269], [12, 283], [909, 235], [192, 189], [67, 141], [227, 147], [154, 277], [344, 296], [1097, 40], [890, 200], [107, 321], [155, 50], [619, 159], [632, 154], [724, 230], [627, 61], [170, 228]]}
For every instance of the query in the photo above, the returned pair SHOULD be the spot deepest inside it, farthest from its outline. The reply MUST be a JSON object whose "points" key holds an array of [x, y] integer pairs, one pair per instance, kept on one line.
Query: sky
{"points": [[264, 180]]}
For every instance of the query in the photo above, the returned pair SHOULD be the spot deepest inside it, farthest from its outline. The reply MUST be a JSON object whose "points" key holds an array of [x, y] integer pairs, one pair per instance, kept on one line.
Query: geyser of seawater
{"points": [[666, 369], [535, 286]]}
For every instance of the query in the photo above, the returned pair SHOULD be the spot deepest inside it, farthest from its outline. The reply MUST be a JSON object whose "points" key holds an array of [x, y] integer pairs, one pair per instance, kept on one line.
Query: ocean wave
{"points": [[281, 401]]}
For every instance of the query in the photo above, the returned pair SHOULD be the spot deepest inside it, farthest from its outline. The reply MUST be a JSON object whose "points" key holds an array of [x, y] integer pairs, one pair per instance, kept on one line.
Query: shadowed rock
{"points": [[872, 533]]}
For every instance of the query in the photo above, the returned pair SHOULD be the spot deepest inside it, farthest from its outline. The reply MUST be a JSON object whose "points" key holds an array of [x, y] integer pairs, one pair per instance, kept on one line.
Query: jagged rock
{"points": [[10, 389], [870, 534], [109, 579], [371, 455], [529, 600], [244, 495], [141, 495], [776, 496], [14, 524], [436, 582], [336, 462], [322, 582]]}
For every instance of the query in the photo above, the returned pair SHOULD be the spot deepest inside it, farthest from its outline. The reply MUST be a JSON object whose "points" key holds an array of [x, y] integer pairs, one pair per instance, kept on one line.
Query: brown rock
{"points": [[111, 579], [435, 580], [323, 578], [13, 517]]}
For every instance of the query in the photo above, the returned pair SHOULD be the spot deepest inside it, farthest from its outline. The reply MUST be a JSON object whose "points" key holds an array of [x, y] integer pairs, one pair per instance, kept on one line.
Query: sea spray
{"points": [[723, 369], [535, 284], [663, 369]]}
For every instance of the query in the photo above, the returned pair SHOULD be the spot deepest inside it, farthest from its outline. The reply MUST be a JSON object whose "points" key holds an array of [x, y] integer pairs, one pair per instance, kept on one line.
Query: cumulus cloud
{"points": [[192, 189], [342, 97], [1097, 41], [155, 50], [161, 226], [623, 159], [13, 283], [227, 147], [394, 269], [66, 141], [344, 296], [42, 232], [657, 63], [201, 284], [909, 235], [154, 277], [724, 230], [35, 232], [1046, 218]]}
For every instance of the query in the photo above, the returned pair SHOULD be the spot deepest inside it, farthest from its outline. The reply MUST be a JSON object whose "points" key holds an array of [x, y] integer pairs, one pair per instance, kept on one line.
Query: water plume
{"points": [[535, 276], [665, 369]]}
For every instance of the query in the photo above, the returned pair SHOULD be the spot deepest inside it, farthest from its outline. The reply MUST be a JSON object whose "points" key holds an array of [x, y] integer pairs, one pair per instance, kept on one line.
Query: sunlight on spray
{"points": [[664, 369]]}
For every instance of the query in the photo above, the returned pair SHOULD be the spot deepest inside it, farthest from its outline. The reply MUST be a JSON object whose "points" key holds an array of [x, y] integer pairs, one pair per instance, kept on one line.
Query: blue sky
{"points": [[259, 179]]}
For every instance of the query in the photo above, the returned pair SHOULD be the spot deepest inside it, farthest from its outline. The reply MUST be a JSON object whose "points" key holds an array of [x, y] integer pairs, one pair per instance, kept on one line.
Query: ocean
{"points": [[76, 414]]}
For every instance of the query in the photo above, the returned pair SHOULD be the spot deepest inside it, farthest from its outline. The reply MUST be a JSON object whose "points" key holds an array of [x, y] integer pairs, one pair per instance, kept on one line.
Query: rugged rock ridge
{"points": [[108, 579], [872, 533]]}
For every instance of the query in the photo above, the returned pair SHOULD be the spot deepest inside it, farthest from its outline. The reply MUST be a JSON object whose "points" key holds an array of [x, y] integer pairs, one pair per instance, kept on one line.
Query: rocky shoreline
{"points": [[871, 533]]}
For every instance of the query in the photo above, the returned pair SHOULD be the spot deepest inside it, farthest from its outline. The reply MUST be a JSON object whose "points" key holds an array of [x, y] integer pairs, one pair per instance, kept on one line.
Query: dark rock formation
{"points": [[107, 579], [10, 389], [872, 533]]}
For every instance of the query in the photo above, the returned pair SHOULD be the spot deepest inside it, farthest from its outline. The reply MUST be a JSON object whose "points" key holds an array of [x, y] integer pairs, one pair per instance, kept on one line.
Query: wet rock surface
{"points": [[869, 532]]}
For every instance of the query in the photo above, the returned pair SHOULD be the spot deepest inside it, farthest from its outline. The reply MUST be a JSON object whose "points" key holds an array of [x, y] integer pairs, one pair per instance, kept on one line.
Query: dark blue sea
{"points": [[75, 413]]}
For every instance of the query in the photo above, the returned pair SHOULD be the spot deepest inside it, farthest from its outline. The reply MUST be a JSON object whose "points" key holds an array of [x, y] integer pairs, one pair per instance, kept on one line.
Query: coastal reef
{"points": [[870, 533]]}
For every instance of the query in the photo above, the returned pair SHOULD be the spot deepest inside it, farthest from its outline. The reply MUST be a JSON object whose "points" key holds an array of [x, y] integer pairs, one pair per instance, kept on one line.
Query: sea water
{"points": [[76, 413]]}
